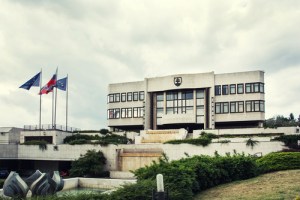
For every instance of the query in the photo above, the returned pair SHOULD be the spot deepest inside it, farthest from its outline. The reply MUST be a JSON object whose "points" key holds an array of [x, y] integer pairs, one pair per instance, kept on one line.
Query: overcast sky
{"points": [[101, 42]]}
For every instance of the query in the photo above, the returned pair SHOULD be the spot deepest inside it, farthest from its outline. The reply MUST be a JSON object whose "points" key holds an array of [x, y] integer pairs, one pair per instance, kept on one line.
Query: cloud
{"points": [[102, 42]]}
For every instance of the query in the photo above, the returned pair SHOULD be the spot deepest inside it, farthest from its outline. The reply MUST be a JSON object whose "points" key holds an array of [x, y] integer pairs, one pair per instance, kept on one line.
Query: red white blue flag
{"points": [[49, 86]]}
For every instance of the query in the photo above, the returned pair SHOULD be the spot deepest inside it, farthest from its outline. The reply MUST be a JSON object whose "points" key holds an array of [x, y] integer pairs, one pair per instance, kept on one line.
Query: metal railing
{"points": [[50, 127]]}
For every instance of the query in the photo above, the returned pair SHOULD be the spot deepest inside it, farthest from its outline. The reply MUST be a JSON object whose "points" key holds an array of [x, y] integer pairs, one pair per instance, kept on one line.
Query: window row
{"points": [[123, 97], [240, 88], [181, 95], [238, 106], [136, 112]]}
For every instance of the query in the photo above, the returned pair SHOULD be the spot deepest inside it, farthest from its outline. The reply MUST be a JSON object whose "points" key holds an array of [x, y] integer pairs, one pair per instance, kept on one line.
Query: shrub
{"points": [[42, 144], [279, 161], [251, 142], [204, 140], [90, 164], [290, 141], [188, 176], [104, 131], [105, 140], [79, 141]]}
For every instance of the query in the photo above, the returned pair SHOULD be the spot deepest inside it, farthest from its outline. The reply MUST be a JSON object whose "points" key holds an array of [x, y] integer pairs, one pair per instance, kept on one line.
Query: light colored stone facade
{"points": [[191, 101]]}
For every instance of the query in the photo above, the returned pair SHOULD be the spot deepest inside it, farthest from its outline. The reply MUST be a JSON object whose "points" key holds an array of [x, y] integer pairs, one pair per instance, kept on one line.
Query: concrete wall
{"points": [[57, 136], [241, 131], [9, 151], [95, 183]]}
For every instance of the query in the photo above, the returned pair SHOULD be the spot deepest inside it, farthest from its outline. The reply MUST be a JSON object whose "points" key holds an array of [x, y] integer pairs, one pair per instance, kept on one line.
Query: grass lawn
{"points": [[283, 185]]}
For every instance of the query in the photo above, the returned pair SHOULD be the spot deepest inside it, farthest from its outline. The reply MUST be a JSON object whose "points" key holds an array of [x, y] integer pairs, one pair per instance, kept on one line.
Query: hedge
{"points": [[279, 161]]}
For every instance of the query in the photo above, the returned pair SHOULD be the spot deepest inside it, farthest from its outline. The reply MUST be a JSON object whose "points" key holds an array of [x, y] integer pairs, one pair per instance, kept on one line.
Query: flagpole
{"points": [[52, 109], [40, 121], [67, 102], [55, 98]]}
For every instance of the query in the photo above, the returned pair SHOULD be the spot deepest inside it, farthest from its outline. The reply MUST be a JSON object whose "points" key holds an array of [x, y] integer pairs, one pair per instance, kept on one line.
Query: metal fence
{"points": [[50, 127]]}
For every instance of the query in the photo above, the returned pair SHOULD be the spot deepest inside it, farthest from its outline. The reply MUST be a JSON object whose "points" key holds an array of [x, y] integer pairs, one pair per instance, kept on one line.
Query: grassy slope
{"points": [[278, 185]]}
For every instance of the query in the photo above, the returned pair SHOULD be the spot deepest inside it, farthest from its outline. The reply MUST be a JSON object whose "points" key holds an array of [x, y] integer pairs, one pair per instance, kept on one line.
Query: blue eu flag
{"points": [[34, 81], [62, 83]]}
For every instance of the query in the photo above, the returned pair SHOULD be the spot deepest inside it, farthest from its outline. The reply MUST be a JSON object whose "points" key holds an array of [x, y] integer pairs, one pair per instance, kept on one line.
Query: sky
{"points": [[100, 42]]}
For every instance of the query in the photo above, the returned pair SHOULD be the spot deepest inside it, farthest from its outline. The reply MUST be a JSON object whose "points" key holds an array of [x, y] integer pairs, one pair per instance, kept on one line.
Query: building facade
{"points": [[191, 101]]}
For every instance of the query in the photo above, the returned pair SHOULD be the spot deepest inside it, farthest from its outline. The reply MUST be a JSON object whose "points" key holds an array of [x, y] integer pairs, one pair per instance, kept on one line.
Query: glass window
{"points": [[135, 112], [135, 96], [117, 97], [123, 97], [129, 112], [188, 95], [248, 87], [262, 89], [240, 88], [232, 107], [232, 89], [225, 107], [248, 106], [160, 97], [141, 96], [170, 96], [256, 87], [200, 94], [129, 96], [111, 98], [123, 112], [240, 106], [218, 90], [262, 106], [218, 108], [224, 89]]}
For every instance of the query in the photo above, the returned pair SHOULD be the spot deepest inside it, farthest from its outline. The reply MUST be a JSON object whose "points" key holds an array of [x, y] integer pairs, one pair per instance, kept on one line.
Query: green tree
{"points": [[104, 131], [91, 164]]}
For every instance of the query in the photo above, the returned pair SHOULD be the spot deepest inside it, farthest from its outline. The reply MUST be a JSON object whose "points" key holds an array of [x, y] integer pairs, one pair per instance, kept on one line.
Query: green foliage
{"points": [[140, 191], [204, 140], [290, 141], [251, 142], [279, 161], [87, 139], [104, 131], [41, 143], [188, 176], [281, 121], [90, 164]]}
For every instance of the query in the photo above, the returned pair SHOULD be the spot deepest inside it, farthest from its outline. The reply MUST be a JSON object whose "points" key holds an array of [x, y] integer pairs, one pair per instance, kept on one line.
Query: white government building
{"points": [[190, 101]]}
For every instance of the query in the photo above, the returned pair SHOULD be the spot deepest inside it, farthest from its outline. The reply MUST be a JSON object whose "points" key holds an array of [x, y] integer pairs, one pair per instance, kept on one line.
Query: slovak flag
{"points": [[49, 86]]}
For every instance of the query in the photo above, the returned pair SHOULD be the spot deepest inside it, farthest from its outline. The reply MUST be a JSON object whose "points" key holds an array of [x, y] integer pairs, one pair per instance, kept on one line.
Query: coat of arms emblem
{"points": [[177, 81]]}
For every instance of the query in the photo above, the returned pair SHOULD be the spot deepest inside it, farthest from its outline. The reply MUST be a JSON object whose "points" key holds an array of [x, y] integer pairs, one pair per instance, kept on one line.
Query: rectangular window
{"points": [[117, 97], [240, 88], [200, 94], [232, 89], [129, 96], [141, 96], [225, 107], [248, 88], [129, 113], [218, 90], [113, 113], [233, 107], [224, 89], [256, 87], [135, 96], [123, 113], [240, 106], [111, 98], [135, 112], [160, 97], [221, 107], [218, 108], [255, 106], [123, 97], [262, 87], [237, 107]]}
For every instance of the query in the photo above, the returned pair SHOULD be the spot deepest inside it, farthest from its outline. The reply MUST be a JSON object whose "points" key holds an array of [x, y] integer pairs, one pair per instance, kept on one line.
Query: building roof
{"points": [[5, 129]]}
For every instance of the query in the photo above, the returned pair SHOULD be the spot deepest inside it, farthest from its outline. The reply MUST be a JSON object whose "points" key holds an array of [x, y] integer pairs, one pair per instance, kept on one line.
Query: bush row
{"points": [[87, 139], [204, 140]]}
